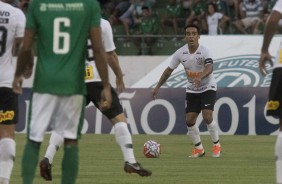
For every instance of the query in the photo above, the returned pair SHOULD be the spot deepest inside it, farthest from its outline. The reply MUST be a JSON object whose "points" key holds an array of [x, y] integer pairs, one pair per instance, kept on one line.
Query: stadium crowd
{"points": [[241, 16], [141, 23], [166, 18]]}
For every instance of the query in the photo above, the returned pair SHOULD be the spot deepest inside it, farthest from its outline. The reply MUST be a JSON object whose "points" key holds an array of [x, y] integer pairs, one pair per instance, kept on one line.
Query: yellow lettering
{"points": [[8, 115], [272, 105]]}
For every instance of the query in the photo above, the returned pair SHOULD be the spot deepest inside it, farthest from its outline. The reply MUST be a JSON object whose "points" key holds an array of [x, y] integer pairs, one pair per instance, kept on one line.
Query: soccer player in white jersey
{"points": [[115, 113], [200, 91], [12, 24], [274, 104]]}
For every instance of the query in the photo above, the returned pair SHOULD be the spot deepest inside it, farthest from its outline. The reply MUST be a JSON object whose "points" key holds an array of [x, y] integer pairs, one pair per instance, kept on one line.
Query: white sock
{"points": [[278, 154], [213, 130], [194, 133], [7, 157], [124, 140], [55, 142]]}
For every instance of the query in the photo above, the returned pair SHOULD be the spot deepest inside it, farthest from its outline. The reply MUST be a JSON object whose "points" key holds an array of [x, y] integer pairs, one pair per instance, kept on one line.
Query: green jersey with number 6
{"points": [[62, 27]]}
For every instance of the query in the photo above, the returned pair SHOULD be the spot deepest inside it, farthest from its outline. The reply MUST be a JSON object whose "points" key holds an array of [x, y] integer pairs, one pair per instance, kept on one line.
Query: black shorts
{"points": [[94, 90], [9, 106], [274, 104], [195, 102]]}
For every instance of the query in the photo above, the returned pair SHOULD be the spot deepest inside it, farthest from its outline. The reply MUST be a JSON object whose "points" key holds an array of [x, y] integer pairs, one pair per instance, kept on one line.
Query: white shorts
{"points": [[63, 114], [249, 21]]}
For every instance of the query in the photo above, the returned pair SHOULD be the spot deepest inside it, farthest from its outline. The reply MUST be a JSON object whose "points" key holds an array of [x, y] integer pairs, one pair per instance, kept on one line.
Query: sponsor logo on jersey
{"points": [[4, 20], [7, 115], [4, 13], [199, 60], [76, 6], [233, 71], [273, 105]]}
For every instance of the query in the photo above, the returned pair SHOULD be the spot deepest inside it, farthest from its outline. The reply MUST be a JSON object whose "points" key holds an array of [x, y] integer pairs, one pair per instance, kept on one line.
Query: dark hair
{"points": [[214, 6], [194, 26], [145, 8]]}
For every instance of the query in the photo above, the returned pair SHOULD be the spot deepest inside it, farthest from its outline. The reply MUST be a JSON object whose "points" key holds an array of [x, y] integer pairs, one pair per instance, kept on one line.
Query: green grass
{"points": [[245, 160]]}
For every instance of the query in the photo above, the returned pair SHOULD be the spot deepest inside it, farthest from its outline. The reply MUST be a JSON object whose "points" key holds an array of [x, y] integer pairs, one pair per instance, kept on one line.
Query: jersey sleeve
{"points": [[95, 14], [21, 21], [31, 18], [107, 36], [219, 15], [208, 56], [278, 6], [175, 61]]}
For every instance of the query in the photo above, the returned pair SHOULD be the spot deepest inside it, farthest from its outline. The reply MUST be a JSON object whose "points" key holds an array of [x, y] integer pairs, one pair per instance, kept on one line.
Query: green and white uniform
{"points": [[61, 28]]}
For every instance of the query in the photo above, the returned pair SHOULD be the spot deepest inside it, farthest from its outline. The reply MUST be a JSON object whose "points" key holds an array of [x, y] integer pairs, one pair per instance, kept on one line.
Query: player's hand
{"points": [[155, 93], [120, 85], [264, 58], [106, 100], [197, 82], [27, 72], [17, 84]]}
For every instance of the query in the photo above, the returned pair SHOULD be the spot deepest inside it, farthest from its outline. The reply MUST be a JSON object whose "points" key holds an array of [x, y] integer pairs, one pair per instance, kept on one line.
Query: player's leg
{"points": [[275, 110], [124, 140], [55, 142], [42, 107], [8, 152], [208, 101], [70, 118], [118, 120], [8, 108], [193, 108], [278, 153]]}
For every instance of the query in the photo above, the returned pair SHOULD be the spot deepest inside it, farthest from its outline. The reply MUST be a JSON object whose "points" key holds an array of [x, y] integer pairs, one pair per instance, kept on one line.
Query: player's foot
{"points": [[45, 169], [216, 151], [136, 168], [197, 153]]}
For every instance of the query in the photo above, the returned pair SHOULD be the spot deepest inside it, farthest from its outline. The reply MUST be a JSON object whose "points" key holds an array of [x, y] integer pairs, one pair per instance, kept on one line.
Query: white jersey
{"points": [[12, 25], [193, 65], [92, 74], [213, 21], [278, 60]]}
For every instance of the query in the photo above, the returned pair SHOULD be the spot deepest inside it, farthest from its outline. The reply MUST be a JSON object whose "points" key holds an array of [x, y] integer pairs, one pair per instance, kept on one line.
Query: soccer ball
{"points": [[152, 149]]}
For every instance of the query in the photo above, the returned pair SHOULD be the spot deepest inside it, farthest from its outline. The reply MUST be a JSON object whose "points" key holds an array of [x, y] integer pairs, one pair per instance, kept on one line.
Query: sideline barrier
{"points": [[240, 106]]}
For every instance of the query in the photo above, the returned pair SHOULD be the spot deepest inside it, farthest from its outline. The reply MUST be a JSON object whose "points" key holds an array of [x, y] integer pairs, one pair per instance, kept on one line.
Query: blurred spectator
{"points": [[252, 14], [221, 6], [215, 21], [197, 14], [186, 10], [131, 18], [187, 4], [118, 10], [173, 16], [233, 7], [148, 27]]}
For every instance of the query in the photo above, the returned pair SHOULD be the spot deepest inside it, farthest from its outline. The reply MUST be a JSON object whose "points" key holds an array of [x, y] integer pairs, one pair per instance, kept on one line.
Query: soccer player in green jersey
{"points": [[61, 28]]}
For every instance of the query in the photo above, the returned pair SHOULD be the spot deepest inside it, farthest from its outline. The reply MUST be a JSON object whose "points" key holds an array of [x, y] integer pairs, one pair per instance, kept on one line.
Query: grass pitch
{"points": [[245, 160]]}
